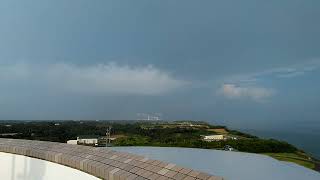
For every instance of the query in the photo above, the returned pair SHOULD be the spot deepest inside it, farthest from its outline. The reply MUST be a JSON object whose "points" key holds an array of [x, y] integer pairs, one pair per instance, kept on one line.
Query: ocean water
{"points": [[309, 141], [230, 165]]}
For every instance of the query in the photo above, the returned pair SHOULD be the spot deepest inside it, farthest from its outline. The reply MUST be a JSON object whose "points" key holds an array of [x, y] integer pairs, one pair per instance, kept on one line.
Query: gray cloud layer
{"points": [[102, 78], [56, 60]]}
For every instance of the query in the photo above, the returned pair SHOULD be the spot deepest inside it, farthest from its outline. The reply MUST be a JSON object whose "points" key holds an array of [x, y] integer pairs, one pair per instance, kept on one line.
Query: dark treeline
{"points": [[178, 137], [59, 131], [138, 134]]}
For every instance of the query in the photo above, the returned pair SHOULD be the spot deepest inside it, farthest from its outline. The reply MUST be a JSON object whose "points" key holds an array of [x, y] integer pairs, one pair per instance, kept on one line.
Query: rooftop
{"points": [[102, 162]]}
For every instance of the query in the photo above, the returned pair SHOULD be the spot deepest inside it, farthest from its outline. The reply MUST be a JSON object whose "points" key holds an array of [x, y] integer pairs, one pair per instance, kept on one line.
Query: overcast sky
{"points": [[251, 64]]}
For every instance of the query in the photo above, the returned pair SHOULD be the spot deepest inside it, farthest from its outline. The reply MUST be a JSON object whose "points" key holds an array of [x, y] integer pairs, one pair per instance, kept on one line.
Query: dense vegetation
{"points": [[141, 134], [58, 131], [254, 145], [180, 137]]}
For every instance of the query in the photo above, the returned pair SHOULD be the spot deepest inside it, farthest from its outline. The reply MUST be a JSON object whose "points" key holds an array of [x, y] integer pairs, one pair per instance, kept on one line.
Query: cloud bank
{"points": [[233, 91], [248, 85], [289, 71], [102, 78]]}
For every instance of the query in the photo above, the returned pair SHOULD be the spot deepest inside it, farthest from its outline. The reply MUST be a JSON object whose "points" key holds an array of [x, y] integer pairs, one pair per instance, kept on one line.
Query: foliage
{"points": [[297, 158], [140, 134]]}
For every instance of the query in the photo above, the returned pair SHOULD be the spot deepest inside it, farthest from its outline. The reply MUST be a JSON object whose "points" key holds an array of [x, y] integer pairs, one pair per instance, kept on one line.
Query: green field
{"points": [[298, 158]]}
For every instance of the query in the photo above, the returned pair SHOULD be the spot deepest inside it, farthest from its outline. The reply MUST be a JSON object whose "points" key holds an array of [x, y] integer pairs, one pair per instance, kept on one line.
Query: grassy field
{"points": [[298, 158], [219, 131]]}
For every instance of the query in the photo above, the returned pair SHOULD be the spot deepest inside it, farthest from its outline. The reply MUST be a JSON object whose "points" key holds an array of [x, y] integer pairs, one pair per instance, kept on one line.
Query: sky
{"points": [[245, 64]]}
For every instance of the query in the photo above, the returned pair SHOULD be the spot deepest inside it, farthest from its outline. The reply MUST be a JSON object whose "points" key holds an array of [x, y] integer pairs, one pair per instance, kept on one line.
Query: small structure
{"points": [[74, 142], [88, 140], [228, 148], [9, 134], [94, 140], [214, 138]]}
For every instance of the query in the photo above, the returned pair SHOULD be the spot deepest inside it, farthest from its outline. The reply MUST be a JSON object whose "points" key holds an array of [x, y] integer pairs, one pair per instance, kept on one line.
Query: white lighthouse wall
{"points": [[17, 167]]}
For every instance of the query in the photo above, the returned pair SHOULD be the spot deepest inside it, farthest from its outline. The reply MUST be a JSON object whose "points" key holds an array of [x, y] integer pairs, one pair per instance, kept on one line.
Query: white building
{"points": [[214, 138], [74, 142], [88, 140]]}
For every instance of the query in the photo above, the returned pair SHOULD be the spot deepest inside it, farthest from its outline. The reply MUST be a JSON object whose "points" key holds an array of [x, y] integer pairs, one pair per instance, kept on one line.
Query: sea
{"points": [[308, 141]]}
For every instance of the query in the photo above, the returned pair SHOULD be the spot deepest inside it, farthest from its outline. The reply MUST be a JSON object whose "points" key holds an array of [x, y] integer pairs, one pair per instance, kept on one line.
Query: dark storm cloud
{"points": [[168, 56]]}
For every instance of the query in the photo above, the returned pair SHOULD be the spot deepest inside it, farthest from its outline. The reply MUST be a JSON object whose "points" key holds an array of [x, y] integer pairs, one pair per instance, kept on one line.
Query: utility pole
{"points": [[108, 134]]}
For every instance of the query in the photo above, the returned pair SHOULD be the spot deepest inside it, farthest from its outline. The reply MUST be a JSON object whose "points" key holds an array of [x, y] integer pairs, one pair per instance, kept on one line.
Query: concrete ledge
{"points": [[102, 162]]}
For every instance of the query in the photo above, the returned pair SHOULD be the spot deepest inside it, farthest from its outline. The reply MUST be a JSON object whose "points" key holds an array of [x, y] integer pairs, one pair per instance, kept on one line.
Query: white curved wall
{"points": [[17, 167]]}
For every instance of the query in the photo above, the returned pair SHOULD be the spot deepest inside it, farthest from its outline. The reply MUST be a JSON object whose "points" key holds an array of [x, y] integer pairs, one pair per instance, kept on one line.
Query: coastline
{"points": [[302, 140]]}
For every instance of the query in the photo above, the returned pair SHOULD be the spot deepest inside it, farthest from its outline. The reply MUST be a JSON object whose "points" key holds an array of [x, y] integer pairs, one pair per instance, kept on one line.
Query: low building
{"points": [[214, 138], [234, 138], [88, 140], [74, 142]]}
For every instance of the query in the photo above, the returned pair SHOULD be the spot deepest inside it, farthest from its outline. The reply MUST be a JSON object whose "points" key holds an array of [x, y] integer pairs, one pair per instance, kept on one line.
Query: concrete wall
{"points": [[17, 167], [100, 162]]}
